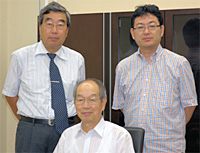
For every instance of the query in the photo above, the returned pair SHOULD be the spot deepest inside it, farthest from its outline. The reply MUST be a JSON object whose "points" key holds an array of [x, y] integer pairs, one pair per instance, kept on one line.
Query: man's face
{"points": [[148, 39], [53, 30], [89, 113]]}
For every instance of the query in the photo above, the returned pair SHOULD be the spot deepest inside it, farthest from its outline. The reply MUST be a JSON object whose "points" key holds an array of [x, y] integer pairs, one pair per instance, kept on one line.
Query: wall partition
{"points": [[89, 35]]}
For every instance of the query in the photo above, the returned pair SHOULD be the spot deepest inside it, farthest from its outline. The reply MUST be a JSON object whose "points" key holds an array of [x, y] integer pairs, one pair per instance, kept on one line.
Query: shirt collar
{"points": [[98, 128], [41, 50], [155, 55]]}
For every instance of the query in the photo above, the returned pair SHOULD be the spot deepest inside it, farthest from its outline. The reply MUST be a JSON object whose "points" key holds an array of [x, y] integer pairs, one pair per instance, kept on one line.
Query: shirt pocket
{"points": [[162, 98], [69, 88], [165, 93]]}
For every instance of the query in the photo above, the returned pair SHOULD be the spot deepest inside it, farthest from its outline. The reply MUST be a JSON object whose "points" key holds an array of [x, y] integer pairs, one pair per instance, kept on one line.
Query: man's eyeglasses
{"points": [[90, 100], [149, 27], [59, 26]]}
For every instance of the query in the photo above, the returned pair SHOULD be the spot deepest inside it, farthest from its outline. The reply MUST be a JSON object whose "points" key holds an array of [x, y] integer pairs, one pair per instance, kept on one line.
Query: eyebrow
{"points": [[61, 20]]}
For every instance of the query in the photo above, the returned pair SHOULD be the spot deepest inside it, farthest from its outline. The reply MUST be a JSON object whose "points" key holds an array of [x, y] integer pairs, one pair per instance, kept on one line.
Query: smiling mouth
{"points": [[86, 113], [53, 38]]}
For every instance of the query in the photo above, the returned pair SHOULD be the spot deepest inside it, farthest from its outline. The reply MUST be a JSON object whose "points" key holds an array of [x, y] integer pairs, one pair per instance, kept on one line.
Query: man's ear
{"points": [[40, 29], [104, 101], [162, 30], [131, 31]]}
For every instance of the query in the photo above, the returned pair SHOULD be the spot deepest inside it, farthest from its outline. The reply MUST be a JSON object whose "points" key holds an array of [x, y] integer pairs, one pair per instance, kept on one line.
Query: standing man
{"points": [[154, 87], [93, 134], [40, 81]]}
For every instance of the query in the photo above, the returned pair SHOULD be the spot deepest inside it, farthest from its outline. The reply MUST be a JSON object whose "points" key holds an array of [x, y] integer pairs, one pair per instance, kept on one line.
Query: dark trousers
{"points": [[36, 138]]}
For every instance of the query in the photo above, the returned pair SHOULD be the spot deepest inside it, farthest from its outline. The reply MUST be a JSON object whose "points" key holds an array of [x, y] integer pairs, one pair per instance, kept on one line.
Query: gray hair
{"points": [[102, 89], [55, 7]]}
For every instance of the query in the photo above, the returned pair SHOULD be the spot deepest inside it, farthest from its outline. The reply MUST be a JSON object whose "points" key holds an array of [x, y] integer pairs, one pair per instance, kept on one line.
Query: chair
{"points": [[137, 135]]}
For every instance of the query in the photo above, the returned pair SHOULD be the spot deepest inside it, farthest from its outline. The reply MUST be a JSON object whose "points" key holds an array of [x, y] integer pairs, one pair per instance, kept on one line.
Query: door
{"points": [[183, 37]]}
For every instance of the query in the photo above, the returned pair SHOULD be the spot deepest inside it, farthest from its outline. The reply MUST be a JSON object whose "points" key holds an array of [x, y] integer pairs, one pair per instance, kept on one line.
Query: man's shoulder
{"points": [[25, 49], [71, 52], [71, 130], [128, 63], [115, 128], [128, 59], [170, 55]]}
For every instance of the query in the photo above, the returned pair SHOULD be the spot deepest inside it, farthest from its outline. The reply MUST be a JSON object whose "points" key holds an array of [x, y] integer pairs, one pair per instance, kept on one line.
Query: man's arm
{"points": [[12, 101], [188, 113]]}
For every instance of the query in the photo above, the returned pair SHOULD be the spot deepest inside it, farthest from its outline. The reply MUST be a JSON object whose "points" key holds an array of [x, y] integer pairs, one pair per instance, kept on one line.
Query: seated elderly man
{"points": [[93, 134]]}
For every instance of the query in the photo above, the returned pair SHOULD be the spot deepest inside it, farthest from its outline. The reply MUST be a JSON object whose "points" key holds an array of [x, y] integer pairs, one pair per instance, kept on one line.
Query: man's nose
{"points": [[146, 30], [54, 28], [86, 104]]}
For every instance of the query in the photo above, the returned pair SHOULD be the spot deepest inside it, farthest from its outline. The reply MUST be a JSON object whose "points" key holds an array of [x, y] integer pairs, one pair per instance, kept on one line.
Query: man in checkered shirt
{"points": [[154, 87]]}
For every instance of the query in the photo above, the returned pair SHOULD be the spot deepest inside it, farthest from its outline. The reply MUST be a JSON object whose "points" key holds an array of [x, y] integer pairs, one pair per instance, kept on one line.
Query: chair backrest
{"points": [[137, 135]]}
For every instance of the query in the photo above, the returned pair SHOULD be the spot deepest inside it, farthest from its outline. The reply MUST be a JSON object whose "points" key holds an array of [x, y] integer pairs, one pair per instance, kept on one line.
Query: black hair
{"points": [[142, 10]]}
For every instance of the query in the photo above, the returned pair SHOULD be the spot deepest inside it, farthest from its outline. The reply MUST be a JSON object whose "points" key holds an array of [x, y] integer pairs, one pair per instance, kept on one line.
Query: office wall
{"points": [[91, 6], [3, 53], [18, 28]]}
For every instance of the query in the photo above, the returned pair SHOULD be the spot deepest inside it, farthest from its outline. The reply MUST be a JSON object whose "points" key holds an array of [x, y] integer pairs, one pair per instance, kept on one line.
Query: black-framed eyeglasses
{"points": [[142, 28]]}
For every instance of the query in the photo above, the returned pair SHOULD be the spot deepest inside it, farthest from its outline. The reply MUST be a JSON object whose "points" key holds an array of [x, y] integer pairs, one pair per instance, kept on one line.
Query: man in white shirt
{"points": [[93, 134], [28, 87]]}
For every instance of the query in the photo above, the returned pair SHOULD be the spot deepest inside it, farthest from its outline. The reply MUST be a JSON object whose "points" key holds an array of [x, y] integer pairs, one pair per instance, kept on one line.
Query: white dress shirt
{"points": [[106, 137], [28, 77]]}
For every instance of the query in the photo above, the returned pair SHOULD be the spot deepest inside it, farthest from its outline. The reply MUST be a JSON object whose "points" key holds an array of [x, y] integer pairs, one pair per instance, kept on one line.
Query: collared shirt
{"points": [[153, 96], [28, 77], [106, 137]]}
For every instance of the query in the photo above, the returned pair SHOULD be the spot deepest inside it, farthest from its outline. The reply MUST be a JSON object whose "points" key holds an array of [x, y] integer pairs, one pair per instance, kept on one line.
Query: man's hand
{"points": [[12, 101], [188, 113]]}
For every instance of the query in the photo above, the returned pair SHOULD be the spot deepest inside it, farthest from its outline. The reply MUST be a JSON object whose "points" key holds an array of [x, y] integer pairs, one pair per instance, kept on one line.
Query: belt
{"points": [[50, 122]]}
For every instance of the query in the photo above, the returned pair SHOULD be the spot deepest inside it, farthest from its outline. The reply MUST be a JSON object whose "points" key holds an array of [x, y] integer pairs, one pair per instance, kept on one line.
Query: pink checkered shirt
{"points": [[153, 96]]}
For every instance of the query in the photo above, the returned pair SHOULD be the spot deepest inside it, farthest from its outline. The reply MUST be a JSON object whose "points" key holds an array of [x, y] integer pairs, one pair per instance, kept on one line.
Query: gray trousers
{"points": [[35, 138]]}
